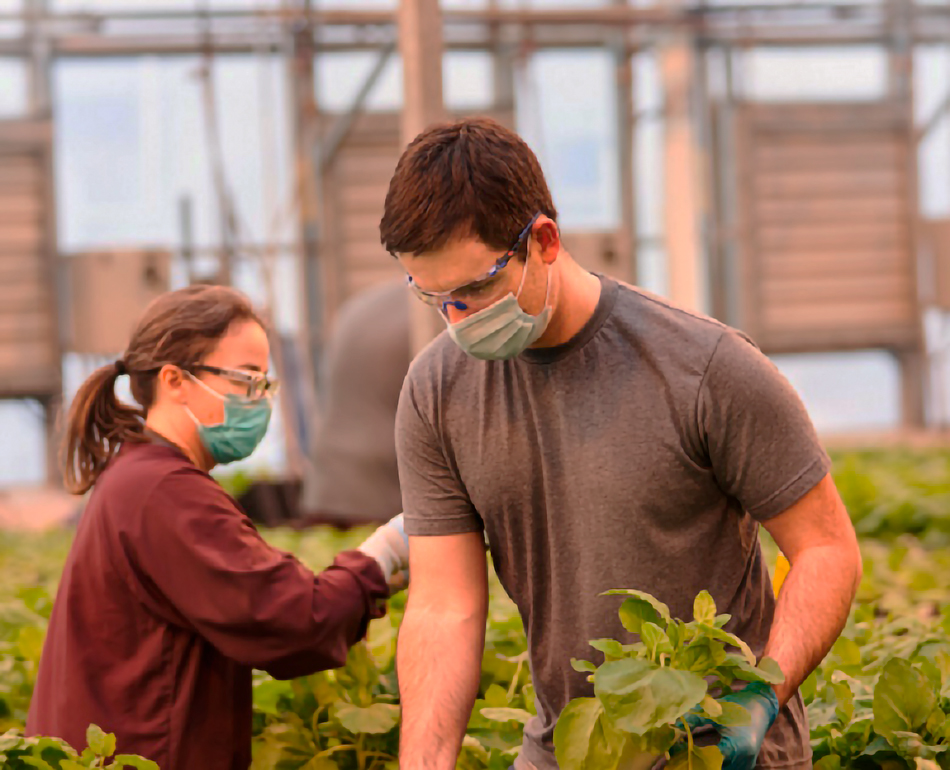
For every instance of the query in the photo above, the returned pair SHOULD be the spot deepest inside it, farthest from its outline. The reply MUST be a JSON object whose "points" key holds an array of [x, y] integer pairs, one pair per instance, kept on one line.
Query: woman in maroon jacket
{"points": [[170, 597]]}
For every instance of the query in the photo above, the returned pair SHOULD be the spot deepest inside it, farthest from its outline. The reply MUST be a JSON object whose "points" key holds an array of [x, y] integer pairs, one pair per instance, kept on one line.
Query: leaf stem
{"points": [[689, 745]]}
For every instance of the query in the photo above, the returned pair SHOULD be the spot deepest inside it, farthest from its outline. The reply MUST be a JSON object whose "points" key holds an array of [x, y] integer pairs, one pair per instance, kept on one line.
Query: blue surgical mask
{"points": [[241, 432], [502, 330]]}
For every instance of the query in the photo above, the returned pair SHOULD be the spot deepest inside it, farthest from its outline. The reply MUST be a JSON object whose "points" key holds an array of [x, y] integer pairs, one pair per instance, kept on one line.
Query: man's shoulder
{"points": [[656, 320], [660, 310], [436, 361]]}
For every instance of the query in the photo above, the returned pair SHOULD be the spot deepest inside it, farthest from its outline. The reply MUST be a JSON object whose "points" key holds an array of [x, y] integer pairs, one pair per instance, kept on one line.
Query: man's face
{"points": [[461, 267]]}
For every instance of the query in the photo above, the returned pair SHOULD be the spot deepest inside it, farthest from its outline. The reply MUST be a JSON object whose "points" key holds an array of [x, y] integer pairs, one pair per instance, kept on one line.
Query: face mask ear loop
{"points": [[524, 273], [547, 289], [208, 388]]}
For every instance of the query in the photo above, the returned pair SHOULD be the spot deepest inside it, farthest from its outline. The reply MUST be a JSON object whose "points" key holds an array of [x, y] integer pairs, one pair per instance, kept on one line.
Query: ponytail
{"points": [[178, 328], [98, 424]]}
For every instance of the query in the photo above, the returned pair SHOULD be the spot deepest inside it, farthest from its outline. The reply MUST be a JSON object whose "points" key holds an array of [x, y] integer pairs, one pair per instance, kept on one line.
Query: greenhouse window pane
{"points": [[567, 113], [13, 88], [778, 74]]}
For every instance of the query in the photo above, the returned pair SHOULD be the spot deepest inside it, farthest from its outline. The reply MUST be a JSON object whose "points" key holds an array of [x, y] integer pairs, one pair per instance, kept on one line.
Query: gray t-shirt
{"points": [[640, 454]]}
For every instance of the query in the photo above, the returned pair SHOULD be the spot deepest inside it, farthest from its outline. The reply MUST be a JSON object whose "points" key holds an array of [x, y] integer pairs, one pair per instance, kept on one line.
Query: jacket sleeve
{"points": [[202, 565]]}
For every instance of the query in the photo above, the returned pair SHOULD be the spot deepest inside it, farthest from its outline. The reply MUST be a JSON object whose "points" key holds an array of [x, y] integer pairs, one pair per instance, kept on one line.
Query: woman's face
{"points": [[243, 348]]}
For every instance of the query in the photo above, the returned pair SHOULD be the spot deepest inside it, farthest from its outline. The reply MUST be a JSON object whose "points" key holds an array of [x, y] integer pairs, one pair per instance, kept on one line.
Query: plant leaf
{"points": [[639, 696], [610, 647], [725, 636], [635, 612], [701, 656], [375, 719], [659, 606], [583, 666], [574, 732], [903, 699], [733, 715], [844, 710], [506, 715], [496, 696], [123, 760], [655, 639], [102, 743], [767, 671], [698, 758], [704, 608], [711, 707]]}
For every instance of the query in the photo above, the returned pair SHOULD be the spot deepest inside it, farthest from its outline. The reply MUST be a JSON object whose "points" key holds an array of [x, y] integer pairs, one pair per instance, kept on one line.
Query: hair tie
{"points": [[120, 367]]}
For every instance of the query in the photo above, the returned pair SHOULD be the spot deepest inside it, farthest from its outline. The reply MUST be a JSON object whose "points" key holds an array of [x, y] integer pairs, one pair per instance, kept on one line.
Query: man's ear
{"points": [[171, 381], [548, 238]]}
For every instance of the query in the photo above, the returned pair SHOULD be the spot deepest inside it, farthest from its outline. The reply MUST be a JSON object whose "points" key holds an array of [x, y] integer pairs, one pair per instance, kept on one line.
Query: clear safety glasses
{"points": [[477, 294], [259, 385]]}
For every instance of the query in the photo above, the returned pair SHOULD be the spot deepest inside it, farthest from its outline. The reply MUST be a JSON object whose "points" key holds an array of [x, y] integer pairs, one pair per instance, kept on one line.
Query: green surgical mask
{"points": [[243, 429]]}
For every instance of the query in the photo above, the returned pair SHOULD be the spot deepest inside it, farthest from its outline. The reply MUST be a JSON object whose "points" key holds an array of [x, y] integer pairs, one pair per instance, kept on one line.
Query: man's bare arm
{"points": [[441, 642], [818, 539]]}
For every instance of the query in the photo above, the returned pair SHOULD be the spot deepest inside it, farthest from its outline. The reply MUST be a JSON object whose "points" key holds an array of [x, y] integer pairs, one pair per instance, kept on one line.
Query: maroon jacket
{"points": [[168, 599]]}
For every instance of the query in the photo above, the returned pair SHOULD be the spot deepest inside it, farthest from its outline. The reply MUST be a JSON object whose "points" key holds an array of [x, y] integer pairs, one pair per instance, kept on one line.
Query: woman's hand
{"points": [[389, 545]]}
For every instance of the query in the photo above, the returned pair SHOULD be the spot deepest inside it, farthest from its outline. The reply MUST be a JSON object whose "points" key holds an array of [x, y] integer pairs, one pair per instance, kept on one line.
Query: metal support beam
{"points": [[420, 43], [682, 197], [939, 113], [129, 32], [39, 66], [913, 389], [304, 106], [626, 136], [342, 125]]}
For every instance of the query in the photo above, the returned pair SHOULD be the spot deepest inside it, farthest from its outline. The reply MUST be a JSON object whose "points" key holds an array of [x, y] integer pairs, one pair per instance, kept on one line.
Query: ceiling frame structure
{"points": [[298, 31]]}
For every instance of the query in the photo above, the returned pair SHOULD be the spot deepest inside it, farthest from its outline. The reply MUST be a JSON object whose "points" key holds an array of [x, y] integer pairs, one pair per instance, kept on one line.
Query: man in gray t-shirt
{"points": [[601, 438]]}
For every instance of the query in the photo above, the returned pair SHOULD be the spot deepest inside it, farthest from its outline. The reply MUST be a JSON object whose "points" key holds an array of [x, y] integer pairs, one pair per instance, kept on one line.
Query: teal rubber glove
{"points": [[740, 746]]}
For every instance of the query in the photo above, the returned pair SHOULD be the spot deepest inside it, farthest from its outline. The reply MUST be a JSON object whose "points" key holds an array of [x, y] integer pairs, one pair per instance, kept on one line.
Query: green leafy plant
{"points": [[898, 499], [643, 689], [19, 753], [882, 698]]}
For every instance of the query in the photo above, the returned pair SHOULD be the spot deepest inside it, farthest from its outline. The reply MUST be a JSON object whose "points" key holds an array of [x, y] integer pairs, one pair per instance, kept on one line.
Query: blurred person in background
{"points": [[602, 438], [170, 597], [352, 478]]}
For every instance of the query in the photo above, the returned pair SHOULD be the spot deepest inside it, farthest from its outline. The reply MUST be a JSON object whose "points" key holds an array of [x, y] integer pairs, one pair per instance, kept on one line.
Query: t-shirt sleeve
{"points": [[760, 441], [434, 498], [203, 565]]}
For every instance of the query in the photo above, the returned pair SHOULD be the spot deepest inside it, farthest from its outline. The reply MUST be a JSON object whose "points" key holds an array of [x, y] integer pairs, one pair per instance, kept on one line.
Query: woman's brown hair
{"points": [[179, 328]]}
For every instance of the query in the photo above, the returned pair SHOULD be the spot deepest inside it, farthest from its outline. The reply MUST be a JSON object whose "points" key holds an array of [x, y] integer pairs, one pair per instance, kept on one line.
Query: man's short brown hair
{"points": [[471, 178]]}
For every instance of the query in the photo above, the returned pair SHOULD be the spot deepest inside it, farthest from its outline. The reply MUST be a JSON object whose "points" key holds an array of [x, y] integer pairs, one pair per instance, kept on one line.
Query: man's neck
{"points": [[578, 295]]}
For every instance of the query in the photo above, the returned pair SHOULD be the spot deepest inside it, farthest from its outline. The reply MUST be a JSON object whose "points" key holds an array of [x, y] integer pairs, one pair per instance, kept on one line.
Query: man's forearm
{"points": [[439, 661], [812, 610]]}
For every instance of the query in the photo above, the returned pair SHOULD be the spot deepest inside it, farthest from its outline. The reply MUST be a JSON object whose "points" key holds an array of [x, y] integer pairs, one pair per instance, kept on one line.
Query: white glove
{"points": [[389, 545]]}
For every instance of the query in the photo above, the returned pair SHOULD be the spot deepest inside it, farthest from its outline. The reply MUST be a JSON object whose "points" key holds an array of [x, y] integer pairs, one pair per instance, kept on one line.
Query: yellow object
{"points": [[781, 572]]}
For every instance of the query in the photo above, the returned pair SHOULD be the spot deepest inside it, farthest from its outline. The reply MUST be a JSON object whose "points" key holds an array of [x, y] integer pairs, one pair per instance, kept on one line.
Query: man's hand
{"points": [[389, 545], [740, 746]]}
